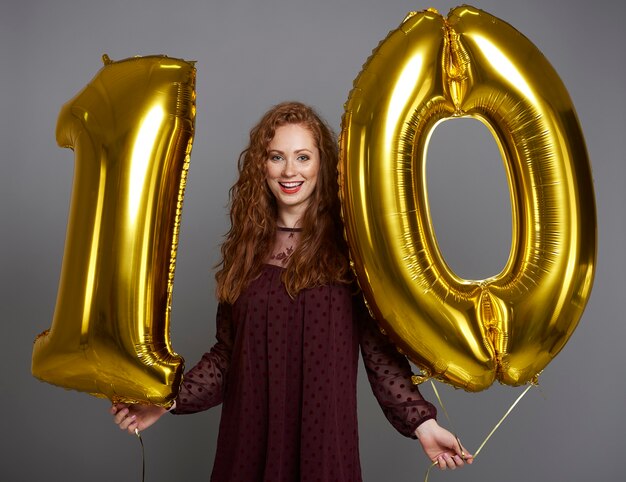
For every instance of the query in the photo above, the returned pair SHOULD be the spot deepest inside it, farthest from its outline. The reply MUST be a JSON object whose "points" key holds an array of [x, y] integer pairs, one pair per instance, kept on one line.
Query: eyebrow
{"points": [[297, 151]]}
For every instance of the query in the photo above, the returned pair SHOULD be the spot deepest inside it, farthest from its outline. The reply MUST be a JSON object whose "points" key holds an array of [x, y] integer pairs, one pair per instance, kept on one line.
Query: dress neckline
{"points": [[289, 230]]}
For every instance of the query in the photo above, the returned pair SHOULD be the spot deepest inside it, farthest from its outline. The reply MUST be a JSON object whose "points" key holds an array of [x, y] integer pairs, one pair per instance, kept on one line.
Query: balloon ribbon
{"points": [[490, 433], [143, 456]]}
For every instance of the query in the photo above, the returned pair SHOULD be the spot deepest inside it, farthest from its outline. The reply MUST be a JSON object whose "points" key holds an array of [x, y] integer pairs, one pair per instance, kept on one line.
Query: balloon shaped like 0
{"points": [[467, 333], [131, 129]]}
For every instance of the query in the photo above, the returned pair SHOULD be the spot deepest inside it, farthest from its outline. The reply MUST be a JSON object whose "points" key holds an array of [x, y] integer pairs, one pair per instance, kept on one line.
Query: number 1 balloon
{"points": [[131, 129], [467, 333]]}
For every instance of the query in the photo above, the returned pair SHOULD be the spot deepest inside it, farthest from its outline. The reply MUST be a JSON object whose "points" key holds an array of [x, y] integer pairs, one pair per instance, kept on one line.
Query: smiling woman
{"points": [[292, 167], [251, 55], [290, 324]]}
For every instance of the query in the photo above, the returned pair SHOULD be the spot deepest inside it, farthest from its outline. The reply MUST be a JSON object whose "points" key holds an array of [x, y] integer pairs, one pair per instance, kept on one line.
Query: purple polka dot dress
{"points": [[285, 371]]}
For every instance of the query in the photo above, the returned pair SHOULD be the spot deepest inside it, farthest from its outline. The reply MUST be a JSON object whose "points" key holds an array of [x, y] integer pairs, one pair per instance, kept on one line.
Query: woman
{"points": [[289, 325]]}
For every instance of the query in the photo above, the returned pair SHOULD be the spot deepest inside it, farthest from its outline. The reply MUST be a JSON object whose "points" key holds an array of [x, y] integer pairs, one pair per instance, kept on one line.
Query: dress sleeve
{"points": [[203, 385], [389, 374]]}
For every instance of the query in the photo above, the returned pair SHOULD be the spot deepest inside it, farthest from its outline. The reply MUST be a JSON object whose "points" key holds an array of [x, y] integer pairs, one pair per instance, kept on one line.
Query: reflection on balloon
{"points": [[467, 333], [131, 129]]}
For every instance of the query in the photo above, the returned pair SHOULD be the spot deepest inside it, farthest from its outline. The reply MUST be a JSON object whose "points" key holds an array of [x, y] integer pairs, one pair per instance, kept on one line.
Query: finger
{"points": [[120, 416], [443, 461], [124, 424], [116, 407], [466, 455], [132, 427], [458, 461], [448, 461]]}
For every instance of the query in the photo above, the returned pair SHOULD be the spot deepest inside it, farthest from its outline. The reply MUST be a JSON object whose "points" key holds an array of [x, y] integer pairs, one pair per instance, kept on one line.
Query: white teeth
{"points": [[291, 184]]}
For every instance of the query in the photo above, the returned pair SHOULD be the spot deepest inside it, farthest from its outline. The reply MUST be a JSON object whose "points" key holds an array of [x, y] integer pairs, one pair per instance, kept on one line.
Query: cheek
{"points": [[315, 182], [268, 176], [270, 171], [314, 171]]}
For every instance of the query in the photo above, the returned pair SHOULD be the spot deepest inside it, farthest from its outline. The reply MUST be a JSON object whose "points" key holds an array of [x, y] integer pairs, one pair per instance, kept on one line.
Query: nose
{"points": [[289, 168]]}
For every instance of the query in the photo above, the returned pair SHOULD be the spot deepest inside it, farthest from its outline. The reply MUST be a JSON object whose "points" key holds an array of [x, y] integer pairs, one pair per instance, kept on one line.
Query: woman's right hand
{"points": [[135, 417]]}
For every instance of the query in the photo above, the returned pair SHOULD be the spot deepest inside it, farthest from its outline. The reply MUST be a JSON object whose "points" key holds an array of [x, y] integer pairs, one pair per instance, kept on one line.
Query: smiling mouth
{"points": [[290, 187]]}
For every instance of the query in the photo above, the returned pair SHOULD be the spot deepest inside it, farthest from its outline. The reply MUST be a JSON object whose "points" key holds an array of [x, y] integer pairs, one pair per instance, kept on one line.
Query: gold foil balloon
{"points": [[467, 333], [131, 129]]}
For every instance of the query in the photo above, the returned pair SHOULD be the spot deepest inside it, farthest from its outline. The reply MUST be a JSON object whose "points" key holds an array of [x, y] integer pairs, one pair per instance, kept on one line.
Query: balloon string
{"points": [[502, 419], [143, 456], [442, 405], [490, 433], [445, 412]]}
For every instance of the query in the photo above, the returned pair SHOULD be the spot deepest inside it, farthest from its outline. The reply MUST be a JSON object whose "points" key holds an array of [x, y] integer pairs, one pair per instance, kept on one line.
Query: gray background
{"points": [[252, 54]]}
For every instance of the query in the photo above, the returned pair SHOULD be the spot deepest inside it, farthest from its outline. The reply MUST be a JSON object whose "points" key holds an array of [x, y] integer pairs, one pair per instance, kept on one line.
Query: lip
{"points": [[290, 187]]}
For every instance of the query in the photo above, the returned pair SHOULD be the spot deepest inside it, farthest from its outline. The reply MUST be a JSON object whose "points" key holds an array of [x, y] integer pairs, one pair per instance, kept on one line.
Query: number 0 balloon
{"points": [[131, 129], [468, 333]]}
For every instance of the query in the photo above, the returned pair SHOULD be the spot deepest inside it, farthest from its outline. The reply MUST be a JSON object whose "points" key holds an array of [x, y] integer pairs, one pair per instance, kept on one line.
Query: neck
{"points": [[288, 220]]}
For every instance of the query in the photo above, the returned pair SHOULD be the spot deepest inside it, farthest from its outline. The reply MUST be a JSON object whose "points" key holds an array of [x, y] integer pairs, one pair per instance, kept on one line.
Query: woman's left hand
{"points": [[441, 446]]}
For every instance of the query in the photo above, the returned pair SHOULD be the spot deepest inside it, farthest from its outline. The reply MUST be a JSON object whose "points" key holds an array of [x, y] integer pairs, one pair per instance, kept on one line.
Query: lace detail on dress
{"points": [[285, 243], [203, 385], [389, 374]]}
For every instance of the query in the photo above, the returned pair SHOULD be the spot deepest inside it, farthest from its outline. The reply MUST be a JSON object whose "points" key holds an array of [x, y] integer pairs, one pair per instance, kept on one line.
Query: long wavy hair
{"points": [[322, 255]]}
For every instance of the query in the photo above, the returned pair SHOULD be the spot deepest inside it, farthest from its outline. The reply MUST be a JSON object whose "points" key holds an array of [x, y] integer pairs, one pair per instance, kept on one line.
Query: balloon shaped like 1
{"points": [[467, 333], [131, 129]]}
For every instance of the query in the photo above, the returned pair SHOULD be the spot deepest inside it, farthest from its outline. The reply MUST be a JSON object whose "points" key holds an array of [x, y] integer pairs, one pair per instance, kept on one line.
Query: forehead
{"points": [[292, 136]]}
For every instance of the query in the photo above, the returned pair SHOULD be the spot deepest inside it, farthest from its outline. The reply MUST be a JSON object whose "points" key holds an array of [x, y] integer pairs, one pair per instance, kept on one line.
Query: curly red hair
{"points": [[321, 256]]}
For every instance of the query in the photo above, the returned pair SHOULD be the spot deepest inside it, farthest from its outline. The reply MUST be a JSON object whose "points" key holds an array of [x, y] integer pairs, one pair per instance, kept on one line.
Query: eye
{"points": [[275, 157], [303, 157]]}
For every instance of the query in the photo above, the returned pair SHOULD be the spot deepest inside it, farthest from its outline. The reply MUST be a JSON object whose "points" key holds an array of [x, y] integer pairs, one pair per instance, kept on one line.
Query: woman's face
{"points": [[293, 163]]}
